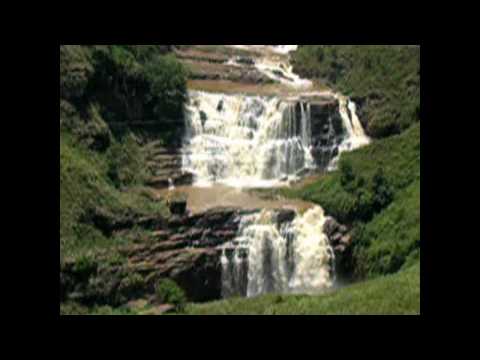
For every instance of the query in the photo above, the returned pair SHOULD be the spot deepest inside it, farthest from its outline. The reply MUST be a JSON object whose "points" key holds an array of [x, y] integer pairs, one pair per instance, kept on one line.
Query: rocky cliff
{"points": [[185, 248]]}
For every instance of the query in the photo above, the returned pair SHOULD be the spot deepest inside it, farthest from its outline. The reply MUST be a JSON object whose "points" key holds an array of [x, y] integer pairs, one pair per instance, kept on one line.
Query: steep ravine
{"points": [[254, 246], [235, 142]]}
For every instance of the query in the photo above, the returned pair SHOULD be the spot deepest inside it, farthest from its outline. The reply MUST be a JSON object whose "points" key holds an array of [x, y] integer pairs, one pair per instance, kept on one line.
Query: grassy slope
{"points": [[84, 184], [393, 294], [391, 241], [99, 170]]}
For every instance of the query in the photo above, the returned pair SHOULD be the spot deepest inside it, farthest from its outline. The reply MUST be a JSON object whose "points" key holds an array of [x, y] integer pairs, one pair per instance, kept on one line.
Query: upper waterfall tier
{"points": [[245, 141], [254, 141], [277, 67]]}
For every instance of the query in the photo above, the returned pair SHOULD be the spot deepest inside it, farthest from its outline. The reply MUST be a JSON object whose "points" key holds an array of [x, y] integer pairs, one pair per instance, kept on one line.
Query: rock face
{"points": [[337, 235], [341, 241], [184, 249], [327, 130], [241, 74], [178, 206], [165, 164]]}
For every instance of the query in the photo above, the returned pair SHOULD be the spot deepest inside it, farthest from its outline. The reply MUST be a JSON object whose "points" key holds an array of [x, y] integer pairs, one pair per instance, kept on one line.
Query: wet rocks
{"points": [[108, 222], [165, 166], [177, 206], [327, 129], [338, 235], [284, 216], [185, 249], [244, 60], [220, 106]]}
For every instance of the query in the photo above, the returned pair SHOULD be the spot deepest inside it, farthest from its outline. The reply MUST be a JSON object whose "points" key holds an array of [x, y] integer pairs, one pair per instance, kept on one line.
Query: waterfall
{"points": [[171, 185], [268, 257], [245, 141], [356, 137]]}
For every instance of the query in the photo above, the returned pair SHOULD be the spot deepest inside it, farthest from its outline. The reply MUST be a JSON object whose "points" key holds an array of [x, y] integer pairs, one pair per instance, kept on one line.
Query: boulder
{"points": [[220, 106], [178, 206], [244, 60], [284, 215], [330, 226]]}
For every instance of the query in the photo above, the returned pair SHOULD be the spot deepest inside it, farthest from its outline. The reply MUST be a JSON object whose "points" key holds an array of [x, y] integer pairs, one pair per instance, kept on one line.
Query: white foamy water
{"points": [[245, 141], [295, 257], [356, 135], [282, 71], [281, 49], [277, 68]]}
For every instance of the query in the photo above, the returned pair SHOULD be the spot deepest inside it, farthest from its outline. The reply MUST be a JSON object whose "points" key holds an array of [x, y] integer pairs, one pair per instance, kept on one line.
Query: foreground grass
{"points": [[397, 294]]}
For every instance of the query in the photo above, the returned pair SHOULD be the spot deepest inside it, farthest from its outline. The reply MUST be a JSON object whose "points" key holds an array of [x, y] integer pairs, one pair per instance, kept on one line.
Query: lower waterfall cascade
{"points": [[271, 257]]}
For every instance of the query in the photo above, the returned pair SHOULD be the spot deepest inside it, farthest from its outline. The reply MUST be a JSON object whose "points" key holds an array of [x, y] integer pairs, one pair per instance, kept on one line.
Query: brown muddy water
{"points": [[200, 199]]}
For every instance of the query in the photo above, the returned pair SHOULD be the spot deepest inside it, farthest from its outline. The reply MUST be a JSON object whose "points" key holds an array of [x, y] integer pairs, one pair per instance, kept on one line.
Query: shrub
{"points": [[168, 89], [126, 162], [130, 287], [75, 71], [85, 266], [168, 292]]}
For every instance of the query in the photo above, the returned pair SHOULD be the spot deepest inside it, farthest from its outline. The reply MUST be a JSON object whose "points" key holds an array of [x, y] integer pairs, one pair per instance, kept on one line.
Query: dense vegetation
{"points": [[120, 85], [384, 80], [93, 184], [102, 164]]}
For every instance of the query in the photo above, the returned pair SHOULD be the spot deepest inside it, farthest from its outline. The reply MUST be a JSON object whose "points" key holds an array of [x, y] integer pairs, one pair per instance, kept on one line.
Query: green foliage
{"points": [[168, 292], [85, 265], [383, 79], [130, 287], [91, 131], [85, 185], [72, 308], [126, 162], [168, 91], [137, 83], [118, 85], [397, 294], [392, 239], [75, 71]]}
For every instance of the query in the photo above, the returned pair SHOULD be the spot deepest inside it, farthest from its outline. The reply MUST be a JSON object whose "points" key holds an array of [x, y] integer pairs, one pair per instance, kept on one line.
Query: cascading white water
{"points": [[356, 137], [171, 185], [281, 49], [245, 141], [294, 257], [253, 141]]}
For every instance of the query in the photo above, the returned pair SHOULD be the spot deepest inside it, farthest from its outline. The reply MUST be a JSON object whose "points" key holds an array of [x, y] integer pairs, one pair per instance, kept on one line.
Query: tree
{"points": [[168, 88]]}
